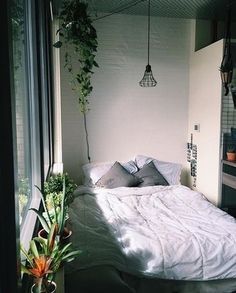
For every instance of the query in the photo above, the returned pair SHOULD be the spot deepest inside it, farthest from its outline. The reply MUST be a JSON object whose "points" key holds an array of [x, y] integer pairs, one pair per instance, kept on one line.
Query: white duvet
{"points": [[167, 232]]}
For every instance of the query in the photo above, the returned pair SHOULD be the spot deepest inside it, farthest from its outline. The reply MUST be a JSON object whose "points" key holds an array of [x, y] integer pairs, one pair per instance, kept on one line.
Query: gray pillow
{"points": [[117, 176], [150, 176]]}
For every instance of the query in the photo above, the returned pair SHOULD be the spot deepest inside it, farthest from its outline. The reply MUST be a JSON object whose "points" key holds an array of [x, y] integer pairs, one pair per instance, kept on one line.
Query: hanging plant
{"points": [[77, 33], [76, 30]]}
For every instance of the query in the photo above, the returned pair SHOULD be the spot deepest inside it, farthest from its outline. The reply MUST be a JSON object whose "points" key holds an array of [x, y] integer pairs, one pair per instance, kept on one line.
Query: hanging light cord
{"points": [[118, 10], [228, 31], [148, 28]]}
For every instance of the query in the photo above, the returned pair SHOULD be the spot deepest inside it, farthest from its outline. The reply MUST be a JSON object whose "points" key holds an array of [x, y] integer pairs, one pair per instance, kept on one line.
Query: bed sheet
{"points": [[167, 232]]}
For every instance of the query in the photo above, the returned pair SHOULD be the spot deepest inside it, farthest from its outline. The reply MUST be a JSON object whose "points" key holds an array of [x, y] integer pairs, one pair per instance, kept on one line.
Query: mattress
{"points": [[165, 232]]}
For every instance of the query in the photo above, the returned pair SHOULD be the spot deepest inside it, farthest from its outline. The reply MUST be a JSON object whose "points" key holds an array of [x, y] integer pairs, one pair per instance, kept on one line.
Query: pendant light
{"points": [[226, 68], [148, 80]]}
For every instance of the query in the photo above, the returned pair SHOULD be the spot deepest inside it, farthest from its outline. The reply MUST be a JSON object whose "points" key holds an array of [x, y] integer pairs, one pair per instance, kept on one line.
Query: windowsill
{"points": [[229, 163], [229, 180], [28, 225]]}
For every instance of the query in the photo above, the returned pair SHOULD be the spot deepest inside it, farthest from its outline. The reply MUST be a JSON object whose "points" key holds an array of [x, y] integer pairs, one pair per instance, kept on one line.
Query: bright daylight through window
{"points": [[22, 132], [31, 78]]}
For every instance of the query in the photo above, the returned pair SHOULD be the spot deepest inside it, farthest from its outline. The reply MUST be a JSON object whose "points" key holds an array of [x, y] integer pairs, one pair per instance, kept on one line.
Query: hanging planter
{"points": [[77, 31]]}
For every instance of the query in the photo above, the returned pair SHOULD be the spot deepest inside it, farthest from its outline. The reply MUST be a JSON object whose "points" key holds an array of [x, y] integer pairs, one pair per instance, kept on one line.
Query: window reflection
{"points": [[21, 106]]}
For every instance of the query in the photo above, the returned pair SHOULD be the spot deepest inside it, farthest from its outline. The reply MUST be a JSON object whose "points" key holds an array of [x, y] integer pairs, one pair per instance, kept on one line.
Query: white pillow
{"points": [[171, 171], [94, 171]]}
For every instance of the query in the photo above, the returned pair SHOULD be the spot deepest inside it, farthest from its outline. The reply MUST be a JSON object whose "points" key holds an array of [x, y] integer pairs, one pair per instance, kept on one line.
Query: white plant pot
{"points": [[51, 290]]}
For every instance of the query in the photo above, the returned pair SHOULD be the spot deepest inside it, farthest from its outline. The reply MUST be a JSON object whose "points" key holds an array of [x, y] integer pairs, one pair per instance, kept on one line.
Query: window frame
{"points": [[27, 228], [46, 82], [9, 246], [40, 90], [9, 214]]}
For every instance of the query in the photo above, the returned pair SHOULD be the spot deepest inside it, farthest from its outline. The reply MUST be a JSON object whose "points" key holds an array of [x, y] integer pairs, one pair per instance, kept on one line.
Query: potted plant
{"points": [[231, 154], [53, 189], [44, 258], [56, 215]]}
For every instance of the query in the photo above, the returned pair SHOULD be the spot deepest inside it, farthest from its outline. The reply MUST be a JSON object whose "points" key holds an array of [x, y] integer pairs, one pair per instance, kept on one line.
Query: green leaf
{"points": [[71, 255], [44, 204], [58, 31], [26, 255], [25, 270], [78, 30], [58, 44], [42, 220], [34, 249], [95, 64]]}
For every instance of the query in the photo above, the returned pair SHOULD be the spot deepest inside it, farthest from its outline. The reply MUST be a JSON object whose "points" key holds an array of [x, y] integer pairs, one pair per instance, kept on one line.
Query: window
{"points": [[25, 150], [21, 115], [30, 21]]}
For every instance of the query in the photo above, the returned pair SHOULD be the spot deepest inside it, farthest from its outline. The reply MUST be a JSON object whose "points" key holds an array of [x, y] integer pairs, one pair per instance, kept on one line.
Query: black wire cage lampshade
{"points": [[226, 67], [148, 80]]}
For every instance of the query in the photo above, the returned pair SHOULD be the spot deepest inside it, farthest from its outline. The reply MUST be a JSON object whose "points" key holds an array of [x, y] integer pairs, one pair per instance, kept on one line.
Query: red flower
{"points": [[41, 266]]}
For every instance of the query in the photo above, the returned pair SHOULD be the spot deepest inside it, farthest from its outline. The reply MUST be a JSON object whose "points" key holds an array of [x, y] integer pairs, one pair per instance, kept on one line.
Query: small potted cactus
{"points": [[231, 154]]}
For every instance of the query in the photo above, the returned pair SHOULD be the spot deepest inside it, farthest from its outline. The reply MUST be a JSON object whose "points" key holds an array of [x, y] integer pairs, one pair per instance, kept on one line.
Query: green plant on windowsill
{"points": [[53, 189], [230, 149], [44, 258], [231, 153], [56, 215]]}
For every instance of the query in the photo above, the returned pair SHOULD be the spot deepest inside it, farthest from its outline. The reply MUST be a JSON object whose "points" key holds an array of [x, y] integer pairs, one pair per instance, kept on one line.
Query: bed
{"points": [[165, 234]]}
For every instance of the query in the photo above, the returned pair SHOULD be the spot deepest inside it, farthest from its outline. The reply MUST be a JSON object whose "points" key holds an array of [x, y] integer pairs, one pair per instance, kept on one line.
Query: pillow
{"points": [[117, 176], [170, 171], [94, 171], [150, 176]]}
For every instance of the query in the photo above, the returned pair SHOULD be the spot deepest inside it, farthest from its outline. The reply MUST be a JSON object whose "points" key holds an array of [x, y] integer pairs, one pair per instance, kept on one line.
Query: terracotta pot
{"points": [[51, 288], [64, 239], [231, 156], [42, 234]]}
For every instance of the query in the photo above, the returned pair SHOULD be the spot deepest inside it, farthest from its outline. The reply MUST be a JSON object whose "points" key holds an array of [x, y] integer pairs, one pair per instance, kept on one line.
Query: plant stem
{"points": [[86, 135]]}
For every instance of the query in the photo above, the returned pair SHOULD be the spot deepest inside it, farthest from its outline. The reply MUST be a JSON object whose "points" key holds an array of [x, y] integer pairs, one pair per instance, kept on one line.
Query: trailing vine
{"points": [[76, 30]]}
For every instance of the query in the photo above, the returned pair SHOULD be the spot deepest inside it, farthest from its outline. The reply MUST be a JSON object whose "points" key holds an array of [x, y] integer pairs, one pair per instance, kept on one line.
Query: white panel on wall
{"points": [[126, 119], [205, 109]]}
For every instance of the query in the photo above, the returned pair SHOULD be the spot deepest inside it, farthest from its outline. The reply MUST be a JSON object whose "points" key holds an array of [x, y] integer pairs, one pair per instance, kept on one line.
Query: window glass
{"points": [[31, 80], [21, 106]]}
